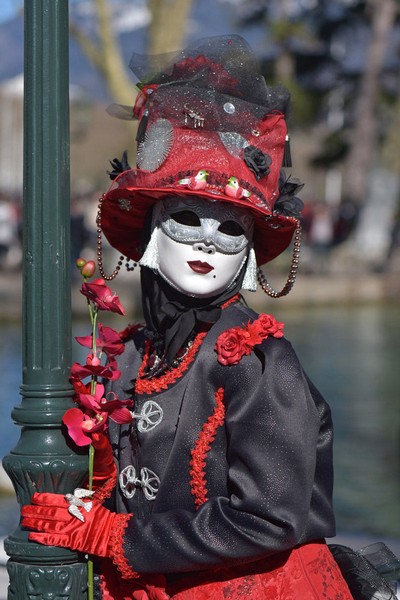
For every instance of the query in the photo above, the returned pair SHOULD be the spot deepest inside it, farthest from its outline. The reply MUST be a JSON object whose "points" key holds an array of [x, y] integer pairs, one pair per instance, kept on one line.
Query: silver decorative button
{"points": [[229, 108], [149, 417], [148, 481]]}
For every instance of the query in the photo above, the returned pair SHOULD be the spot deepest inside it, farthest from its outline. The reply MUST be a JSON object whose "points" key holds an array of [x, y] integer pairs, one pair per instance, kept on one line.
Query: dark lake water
{"points": [[353, 356]]}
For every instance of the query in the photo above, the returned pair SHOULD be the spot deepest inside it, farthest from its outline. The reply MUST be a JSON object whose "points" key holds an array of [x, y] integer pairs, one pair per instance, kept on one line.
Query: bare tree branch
{"points": [[168, 26], [89, 48], [167, 33], [105, 54], [363, 143], [120, 86]]}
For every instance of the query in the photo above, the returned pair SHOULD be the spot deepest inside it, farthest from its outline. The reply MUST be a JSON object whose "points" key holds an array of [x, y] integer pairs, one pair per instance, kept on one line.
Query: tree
{"points": [[104, 53], [166, 33], [363, 142], [168, 25]]}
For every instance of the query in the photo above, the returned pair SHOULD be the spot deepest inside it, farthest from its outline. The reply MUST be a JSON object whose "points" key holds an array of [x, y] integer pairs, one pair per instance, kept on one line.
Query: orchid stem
{"points": [[93, 316], [90, 579], [94, 325], [91, 462], [89, 304]]}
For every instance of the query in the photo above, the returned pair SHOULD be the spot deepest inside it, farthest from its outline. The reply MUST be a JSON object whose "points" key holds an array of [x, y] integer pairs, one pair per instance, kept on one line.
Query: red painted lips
{"points": [[200, 267]]}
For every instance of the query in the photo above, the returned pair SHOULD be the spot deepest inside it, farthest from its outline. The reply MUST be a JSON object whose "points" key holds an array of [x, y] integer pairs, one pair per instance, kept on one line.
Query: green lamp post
{"points": [[42, 459]]}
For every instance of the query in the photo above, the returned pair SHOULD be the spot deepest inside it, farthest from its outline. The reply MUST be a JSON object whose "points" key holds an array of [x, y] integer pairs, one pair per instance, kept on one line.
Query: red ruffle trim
{"points": [[150, 386], [207, 435], [116, 547], [103, 492], [232, 300]]}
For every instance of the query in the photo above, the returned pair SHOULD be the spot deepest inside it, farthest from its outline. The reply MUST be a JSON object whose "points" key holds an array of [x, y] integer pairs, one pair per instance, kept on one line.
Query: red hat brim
{"points": [[124, 210]]}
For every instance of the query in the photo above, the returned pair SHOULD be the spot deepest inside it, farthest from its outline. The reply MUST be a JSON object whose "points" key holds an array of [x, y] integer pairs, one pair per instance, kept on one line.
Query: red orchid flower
{"points": [[91, 401], [109, 371], [115, 408], [84, 340], [80, 425], [80, 387], [93, 360], [109, 341], [99, 293]]}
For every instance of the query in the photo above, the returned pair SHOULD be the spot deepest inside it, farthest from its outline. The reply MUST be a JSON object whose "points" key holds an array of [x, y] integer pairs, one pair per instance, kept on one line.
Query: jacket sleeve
{"points": [[278, 438]]}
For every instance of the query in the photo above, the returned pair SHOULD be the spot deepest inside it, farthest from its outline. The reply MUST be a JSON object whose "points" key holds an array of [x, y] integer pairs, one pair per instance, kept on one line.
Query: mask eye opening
{"points": [[186, 217], [231, 228]]}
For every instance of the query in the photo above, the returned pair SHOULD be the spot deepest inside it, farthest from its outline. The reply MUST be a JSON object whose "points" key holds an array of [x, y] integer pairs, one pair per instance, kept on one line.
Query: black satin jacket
{"points": [[268, 471]]}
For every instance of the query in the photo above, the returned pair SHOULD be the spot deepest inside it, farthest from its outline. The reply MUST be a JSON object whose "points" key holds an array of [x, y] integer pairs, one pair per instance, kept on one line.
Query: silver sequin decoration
{"points": [[124, 204], [233, 142], [156, 145], [195, 118]]}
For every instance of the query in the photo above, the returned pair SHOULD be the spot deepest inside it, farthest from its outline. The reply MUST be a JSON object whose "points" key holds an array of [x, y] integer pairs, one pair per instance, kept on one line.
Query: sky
{"points": [[8, 9]]}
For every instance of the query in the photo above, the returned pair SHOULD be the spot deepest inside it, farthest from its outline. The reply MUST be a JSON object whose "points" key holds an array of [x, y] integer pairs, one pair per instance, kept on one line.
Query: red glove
{"points": [[50, 515], [104, 467]]}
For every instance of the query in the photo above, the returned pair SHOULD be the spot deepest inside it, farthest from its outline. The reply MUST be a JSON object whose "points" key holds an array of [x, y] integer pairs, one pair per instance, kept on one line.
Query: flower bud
{"points": [[80, 262], [88, 268]]}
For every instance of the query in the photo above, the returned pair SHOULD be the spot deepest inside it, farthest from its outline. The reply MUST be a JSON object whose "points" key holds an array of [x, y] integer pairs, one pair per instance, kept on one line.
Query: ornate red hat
{"points": [[209, 126]]}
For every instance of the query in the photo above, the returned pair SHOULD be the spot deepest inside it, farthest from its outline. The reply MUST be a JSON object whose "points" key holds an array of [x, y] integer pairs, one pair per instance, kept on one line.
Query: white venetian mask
{"points": [[199, 246]]}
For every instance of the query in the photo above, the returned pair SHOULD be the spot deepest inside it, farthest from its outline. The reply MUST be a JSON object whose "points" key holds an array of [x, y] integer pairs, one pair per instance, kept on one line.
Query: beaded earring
{"points": [[266, 287]]}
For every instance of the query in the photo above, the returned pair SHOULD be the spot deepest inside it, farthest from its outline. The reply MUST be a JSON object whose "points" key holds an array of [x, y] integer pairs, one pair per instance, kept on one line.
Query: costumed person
{"points": [[221, 487]]}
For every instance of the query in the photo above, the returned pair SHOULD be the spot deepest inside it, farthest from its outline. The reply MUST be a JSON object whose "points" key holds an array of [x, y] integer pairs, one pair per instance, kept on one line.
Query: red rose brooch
{"points": [[237, 342]]}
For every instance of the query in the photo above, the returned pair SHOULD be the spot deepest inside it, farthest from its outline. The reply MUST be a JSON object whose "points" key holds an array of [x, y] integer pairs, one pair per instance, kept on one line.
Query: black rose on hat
{"points": [[257, 161]]}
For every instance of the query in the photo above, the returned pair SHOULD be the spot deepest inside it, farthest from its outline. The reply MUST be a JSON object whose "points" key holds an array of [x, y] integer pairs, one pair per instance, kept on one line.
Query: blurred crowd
{"points": [[83, 229], [10, 233], [325, 228]]}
